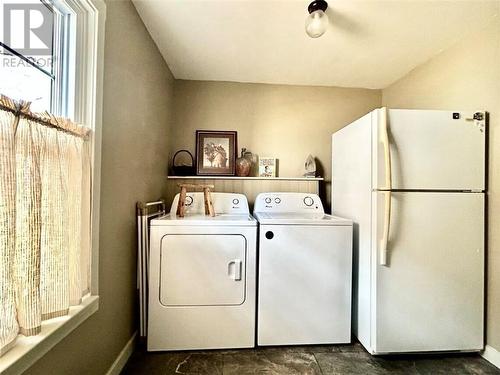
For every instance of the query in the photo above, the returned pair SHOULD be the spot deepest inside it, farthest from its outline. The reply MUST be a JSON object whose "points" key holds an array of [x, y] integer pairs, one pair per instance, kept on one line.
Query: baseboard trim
{"points": [[491, 355], [123, 357]]}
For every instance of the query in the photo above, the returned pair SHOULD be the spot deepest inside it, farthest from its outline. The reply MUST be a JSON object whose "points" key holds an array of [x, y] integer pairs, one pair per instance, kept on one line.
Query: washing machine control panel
{"points": [[224, 203], [288, 202]]}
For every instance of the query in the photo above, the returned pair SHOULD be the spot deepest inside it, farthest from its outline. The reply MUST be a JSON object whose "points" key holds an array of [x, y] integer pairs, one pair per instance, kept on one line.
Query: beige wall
{"points": [[466, 77], [137, 106], [286, 122]]}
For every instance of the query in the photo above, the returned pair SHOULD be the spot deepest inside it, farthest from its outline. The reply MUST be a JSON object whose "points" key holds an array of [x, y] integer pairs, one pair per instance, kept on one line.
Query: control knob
{"points": [[308, 201]]}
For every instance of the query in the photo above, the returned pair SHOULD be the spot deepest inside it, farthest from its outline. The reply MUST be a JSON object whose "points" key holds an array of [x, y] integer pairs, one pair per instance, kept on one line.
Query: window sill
{"points": [[27, 350]]}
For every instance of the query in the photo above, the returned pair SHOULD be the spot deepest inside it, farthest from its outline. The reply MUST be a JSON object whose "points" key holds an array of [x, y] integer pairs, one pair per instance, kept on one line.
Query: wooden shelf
{"points": [[245, 178]]}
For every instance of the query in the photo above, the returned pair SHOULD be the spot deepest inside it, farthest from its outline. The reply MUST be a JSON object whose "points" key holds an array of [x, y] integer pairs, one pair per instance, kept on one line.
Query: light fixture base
{"points": [[317, 5]]}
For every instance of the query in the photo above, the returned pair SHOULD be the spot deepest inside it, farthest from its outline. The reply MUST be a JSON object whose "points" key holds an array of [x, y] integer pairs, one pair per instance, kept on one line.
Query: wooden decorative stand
{"points": [[209, 207]]}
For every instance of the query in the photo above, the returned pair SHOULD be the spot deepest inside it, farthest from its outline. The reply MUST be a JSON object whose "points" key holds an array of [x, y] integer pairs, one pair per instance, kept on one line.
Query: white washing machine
{"points": [[202, 276], [305, 271]]}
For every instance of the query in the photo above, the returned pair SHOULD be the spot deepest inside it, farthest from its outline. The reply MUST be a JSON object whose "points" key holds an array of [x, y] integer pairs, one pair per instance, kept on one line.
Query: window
{"points": [[39, 67], [57, 65]]}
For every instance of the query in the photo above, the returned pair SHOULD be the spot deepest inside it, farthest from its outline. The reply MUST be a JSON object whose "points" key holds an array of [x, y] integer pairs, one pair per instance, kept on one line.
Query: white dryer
{"points": [[202, 276], [305, 271]]}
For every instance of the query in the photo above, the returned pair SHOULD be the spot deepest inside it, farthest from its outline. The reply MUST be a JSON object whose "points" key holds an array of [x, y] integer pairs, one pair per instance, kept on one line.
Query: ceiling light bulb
{"points": [[317, 21]]}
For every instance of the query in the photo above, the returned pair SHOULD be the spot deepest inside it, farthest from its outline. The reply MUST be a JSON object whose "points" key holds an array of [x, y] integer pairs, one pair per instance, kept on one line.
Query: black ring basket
{"points": [[183, 170]]}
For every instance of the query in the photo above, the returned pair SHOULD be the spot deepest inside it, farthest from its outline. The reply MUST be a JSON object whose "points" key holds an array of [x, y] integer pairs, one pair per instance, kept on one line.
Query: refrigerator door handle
{"points": [[384, 133], [387, 224], [387, 150]]}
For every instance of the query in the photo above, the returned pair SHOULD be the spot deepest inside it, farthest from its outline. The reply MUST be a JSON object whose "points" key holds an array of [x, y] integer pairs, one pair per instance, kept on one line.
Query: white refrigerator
{"points": [[414, 182]]}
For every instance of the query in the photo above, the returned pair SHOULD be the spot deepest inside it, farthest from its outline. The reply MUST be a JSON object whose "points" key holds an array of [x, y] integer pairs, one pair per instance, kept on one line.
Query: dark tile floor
{"points": [[331, 359]]}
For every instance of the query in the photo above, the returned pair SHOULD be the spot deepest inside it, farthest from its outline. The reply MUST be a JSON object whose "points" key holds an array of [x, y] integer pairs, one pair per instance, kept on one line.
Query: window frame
{"points": [[64, 59], [88, 102], [87, 109]]}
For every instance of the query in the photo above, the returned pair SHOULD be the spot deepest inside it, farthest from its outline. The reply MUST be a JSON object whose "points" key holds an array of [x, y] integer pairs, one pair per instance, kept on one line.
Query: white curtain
{"points": [[44, 218], [8, 323]]}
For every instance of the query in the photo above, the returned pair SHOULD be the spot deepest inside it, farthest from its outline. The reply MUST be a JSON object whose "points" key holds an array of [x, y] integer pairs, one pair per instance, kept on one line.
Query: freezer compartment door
{"points": [[430, 294], [202, 269], [429, 150]]}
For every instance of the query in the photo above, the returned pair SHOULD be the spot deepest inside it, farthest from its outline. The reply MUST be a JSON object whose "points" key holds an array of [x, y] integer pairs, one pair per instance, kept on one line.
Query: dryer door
{"points": [[202, 269]]}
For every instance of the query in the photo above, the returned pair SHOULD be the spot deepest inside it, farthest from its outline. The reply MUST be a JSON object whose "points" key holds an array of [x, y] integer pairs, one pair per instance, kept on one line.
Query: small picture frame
{"points": [[267, 167], [215, 152]]}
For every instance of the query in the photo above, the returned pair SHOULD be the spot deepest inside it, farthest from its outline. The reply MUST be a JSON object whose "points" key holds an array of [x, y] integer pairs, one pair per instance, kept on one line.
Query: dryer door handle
{"points": [[237, 269]]}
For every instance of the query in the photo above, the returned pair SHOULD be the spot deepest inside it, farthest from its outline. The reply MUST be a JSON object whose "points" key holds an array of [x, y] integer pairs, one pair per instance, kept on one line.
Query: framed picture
{"points": [[267, 167], [215, 152]]}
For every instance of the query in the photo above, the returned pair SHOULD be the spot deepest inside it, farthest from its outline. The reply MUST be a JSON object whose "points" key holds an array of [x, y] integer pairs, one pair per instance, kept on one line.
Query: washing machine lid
{"points": [[294, 218], [204, 220]]}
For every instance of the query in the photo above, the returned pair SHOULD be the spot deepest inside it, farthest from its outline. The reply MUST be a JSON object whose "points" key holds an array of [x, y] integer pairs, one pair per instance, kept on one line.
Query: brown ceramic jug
{"points": [[242, 165]]}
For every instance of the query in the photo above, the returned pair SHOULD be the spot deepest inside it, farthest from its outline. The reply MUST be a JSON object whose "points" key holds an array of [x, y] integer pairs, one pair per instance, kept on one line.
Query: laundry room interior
{"points": [[241, 187]]}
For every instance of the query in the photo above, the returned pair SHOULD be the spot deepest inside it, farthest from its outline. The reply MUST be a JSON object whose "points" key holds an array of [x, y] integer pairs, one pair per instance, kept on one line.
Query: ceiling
{"points": [[369, 43]]}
